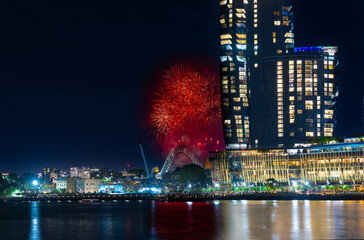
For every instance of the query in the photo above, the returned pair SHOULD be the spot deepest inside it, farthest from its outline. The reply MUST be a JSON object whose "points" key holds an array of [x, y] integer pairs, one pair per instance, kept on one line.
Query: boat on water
{"points": [[90, 201]]}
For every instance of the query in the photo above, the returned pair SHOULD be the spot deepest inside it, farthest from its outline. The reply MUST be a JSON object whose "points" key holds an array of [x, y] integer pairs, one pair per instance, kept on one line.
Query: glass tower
{"points": [[249, 31], [234, 73], [257, 97]]}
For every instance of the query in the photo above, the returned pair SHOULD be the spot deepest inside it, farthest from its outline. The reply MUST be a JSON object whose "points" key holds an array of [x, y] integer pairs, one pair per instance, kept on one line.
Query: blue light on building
{"points": [[111, 189], [153, 190]]}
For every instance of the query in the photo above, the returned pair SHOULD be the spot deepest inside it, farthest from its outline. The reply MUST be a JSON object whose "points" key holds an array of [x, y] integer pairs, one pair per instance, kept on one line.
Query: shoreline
{"points": [[193, 197]]}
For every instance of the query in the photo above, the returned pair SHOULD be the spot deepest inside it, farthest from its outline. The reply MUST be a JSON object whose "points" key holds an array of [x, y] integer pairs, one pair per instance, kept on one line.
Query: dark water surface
{"points": [[159, 220]]}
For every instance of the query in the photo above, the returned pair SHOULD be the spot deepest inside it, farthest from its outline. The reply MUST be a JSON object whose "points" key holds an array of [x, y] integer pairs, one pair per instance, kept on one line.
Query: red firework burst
{"points": [[187, 104]]}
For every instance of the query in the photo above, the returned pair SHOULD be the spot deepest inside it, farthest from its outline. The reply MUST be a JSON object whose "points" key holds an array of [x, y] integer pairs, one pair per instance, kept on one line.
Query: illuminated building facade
{"points": [[299, 100], [234, 73], [61, 184], [111, 189], [91, 185], [318, 165], [249, 30], [75, 185]]}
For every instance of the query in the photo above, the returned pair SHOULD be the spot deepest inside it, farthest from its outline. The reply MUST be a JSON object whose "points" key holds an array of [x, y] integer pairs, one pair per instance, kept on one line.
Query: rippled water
{"points": [[154, 220]]}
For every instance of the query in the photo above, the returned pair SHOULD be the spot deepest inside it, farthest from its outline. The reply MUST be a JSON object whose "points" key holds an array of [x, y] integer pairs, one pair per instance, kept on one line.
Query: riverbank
{"points": [[191, 197]]}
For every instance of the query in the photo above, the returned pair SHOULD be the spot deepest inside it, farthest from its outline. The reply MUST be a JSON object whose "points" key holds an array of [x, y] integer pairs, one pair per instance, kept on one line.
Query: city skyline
{"points": [[73, 90]]}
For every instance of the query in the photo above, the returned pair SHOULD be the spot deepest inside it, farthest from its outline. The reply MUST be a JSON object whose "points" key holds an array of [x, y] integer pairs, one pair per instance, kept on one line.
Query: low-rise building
{"points": [[318, 165], [75, 185], [111, 189], [91, 185], [5, 174], [61, 183]]}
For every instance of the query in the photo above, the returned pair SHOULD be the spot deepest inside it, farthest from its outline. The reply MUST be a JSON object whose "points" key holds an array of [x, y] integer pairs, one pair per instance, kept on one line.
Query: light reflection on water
{"points": [[34, 222], [160, 220], [294, 220]]}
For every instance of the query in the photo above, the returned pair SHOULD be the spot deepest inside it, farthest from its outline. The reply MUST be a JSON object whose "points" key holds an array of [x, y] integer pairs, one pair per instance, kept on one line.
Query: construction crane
{"points": [[145, 162]]}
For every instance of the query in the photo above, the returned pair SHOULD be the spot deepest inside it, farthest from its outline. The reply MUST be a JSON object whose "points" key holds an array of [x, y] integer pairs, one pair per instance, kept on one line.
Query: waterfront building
{"points": [[111, 189], [299, 100], [152, 190], [91, 185], [317, 165], [75, 185], [61, 184]]}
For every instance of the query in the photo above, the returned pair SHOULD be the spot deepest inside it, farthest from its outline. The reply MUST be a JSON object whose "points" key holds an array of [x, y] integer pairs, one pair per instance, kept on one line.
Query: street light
{"points": [[35, 183]]}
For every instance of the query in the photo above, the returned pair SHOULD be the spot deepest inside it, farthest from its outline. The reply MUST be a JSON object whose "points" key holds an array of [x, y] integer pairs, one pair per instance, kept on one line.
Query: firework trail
{"points": [[186, 109]]}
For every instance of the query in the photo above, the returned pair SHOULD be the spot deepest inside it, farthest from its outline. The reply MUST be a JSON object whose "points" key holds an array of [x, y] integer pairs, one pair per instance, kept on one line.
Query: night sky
{"points": [[75, 74]]}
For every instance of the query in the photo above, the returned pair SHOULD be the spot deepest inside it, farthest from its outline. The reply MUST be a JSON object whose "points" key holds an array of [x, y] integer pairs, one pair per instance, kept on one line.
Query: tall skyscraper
{"points": [[252, 33], [234, 73]]}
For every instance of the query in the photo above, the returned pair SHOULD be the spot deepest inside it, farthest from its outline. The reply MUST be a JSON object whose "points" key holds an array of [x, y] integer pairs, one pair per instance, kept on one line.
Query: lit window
{"points": [[309, 134], [224, 42], [309, 105], [225, 36], [241, 41], [239, 35]]}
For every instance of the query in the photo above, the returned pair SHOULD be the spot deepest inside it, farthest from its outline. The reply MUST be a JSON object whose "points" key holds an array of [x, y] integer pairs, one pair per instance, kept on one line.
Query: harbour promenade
{"points": [[194, 197]]}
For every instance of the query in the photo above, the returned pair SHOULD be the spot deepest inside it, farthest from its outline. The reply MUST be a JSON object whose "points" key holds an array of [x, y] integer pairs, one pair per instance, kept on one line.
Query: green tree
{"points": [[137, 172], [271, 184], [13, 177], [325, 140], [3, 184], [193, 174], [46, 181], [27, 179]]}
